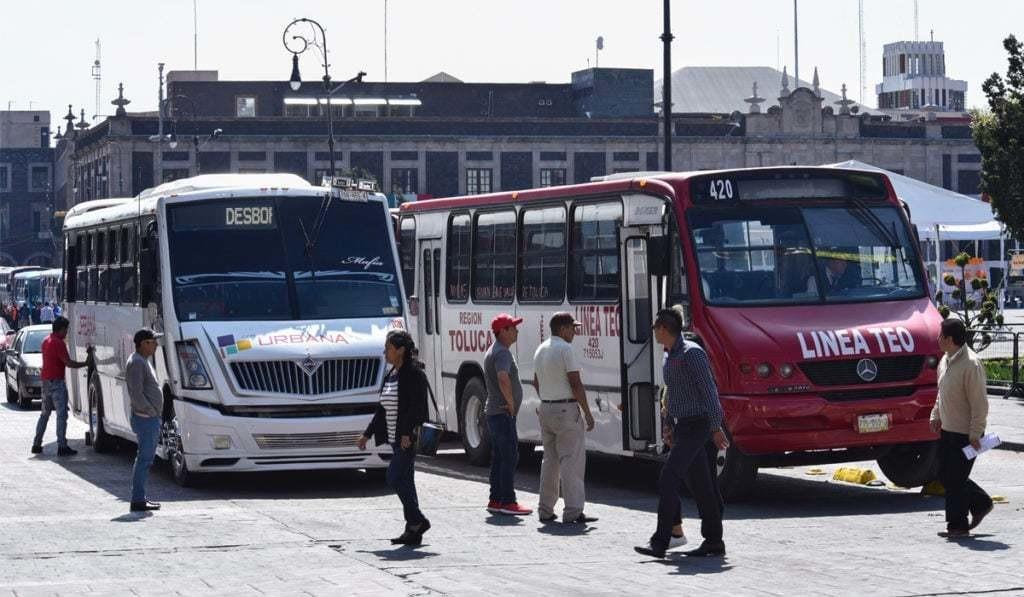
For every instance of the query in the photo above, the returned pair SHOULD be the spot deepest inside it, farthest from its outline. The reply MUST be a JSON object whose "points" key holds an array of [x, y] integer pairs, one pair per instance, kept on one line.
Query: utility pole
{"points": [[666, 87], [796, 50]]}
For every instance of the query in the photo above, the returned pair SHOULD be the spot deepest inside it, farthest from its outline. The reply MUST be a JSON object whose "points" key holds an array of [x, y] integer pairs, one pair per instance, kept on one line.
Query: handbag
{"points": [[429, 437]]}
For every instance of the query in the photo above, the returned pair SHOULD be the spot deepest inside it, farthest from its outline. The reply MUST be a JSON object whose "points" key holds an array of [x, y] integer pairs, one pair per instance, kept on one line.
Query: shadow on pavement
{"points": [[980, 543], [35, 406], [504, 520], [132, 517], [687, 566], [405, 553], [559, 529]]}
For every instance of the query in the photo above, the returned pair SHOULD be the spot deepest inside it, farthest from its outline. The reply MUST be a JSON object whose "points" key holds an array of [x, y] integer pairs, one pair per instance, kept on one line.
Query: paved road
{"points": [[64, 529]]}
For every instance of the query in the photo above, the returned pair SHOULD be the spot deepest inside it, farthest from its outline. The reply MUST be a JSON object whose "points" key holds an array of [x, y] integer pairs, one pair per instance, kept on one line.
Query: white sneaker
{"points": [[675, 542]]}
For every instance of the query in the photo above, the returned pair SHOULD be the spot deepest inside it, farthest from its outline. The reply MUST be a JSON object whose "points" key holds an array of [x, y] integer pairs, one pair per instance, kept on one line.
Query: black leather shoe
{"points": [[37, 449], [144, 506], [66, 451], [548, 518], [582, 519], [707, 550], [955, 534], [408, 538], [419, 529], [649, 550], [977, 518]]}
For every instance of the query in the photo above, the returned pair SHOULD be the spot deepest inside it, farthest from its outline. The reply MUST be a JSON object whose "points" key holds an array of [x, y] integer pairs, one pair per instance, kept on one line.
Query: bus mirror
{"points": [[657, 256]]}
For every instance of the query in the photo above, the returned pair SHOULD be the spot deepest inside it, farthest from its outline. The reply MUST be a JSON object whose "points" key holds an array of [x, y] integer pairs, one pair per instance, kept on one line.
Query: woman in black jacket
{"points": [[402, 409]]}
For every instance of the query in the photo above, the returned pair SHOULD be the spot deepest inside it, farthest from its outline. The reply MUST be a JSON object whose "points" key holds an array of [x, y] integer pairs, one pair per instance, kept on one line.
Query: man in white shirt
{"points": [[46, 314], [563, 413]]}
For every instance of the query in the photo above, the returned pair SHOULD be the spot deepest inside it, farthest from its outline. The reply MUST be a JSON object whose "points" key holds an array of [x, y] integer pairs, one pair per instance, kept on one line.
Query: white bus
{"points": [[274, 296], [36, 286]]}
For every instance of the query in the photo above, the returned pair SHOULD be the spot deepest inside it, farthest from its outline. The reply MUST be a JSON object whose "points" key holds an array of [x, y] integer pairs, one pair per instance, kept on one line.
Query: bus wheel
{"points": [[102, 441], [736, 472], [476, 440], [911, 465]]}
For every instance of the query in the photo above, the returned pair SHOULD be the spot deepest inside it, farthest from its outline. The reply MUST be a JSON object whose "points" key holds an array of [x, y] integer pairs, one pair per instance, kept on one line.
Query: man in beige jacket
{"points": [[960, 413]]}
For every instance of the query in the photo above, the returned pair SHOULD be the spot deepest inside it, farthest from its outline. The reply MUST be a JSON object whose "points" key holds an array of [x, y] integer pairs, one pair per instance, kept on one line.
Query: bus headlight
{"points": [[764, 370], [190, 363], [785, 370]]}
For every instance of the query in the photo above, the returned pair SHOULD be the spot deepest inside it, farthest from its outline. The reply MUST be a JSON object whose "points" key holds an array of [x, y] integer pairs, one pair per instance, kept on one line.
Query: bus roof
{"points": [[211, 182], [663, 183]]}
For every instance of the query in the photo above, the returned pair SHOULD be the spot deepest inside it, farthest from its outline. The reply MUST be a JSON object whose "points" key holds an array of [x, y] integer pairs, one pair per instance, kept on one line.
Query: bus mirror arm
{"points": [[657, 256]]}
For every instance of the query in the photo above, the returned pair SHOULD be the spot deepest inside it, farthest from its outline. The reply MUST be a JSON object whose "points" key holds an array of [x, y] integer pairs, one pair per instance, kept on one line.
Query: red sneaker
{"points": [[515, 509], [494, 507]]}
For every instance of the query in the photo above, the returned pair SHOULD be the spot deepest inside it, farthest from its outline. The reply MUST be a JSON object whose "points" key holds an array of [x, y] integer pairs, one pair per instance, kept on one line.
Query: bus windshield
{"points": [[262, 259], [801, 255]]}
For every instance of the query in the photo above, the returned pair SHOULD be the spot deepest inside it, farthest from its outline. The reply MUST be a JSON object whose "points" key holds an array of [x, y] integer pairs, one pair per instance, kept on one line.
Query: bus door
{"points": [[640, 404], [429, 320]]}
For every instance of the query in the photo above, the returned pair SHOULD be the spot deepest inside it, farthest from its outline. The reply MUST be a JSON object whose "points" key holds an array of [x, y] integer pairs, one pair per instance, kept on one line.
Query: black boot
{"points": [[407, 538]]}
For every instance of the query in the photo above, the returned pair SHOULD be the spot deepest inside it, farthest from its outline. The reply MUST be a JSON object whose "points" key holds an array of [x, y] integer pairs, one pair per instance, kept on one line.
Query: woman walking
{"points": [[402, 409]]}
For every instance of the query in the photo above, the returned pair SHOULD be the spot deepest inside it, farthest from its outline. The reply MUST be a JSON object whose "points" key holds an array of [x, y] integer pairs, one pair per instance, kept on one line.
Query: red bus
{"points": [[804, 285]]}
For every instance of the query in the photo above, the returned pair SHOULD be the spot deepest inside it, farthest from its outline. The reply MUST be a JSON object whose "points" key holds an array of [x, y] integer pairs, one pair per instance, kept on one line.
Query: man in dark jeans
{"points": [[696, 417], [960, 413], [504, 395]]}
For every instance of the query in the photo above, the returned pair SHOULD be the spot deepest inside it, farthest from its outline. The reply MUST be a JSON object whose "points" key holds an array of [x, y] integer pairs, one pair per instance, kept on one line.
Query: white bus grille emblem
{"points": [[309, 365], [867, 370]]}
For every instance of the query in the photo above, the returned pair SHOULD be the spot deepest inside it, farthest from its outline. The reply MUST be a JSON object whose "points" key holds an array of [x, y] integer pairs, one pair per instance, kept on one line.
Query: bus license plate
{"points": [[872, 423]]}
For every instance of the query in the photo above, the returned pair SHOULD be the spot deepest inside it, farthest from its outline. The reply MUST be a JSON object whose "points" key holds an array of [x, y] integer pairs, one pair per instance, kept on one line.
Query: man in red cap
{"points": [[504, 395]]}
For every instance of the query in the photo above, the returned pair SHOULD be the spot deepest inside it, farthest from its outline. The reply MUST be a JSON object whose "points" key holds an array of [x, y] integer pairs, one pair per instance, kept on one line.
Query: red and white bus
{"points": [[804, 285]]}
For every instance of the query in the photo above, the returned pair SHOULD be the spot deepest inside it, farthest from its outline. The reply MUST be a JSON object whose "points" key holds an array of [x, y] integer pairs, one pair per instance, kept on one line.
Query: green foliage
{"points": [[999, 134], [981, 316]]}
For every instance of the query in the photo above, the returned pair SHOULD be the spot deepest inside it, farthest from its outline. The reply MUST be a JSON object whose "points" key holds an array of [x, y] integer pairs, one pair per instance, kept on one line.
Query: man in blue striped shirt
{"points": [[696, 418]]}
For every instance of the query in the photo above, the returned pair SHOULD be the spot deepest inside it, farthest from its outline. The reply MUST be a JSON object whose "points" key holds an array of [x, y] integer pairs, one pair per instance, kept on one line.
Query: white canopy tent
{"points": [[940, 214]]}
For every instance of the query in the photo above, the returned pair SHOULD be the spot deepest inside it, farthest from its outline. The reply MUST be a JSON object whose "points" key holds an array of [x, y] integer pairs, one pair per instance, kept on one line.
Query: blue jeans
{"points": [[147, 432], [400, 477], [55, 398], [504, 457]]}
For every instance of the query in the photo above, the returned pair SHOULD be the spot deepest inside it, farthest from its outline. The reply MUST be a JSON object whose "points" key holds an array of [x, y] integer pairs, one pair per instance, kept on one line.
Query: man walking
{"points": [[696, 417], [960, 414], [55, 389], [147, 408], [563, 413], [504, 395]]}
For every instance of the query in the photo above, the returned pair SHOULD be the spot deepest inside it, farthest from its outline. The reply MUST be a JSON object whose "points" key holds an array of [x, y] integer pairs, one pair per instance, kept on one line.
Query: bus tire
{"points": [[911, 465], [102, 442], [736, 472], [476, 440], [176, 457]]}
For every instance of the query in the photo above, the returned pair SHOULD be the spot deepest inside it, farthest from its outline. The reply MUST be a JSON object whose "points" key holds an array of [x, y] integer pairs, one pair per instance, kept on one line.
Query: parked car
{"points": [[6, 339], [24, 362]]}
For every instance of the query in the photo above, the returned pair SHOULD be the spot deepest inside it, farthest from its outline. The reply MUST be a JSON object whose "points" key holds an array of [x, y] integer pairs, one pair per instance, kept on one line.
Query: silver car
{"points": [[24, 363]]}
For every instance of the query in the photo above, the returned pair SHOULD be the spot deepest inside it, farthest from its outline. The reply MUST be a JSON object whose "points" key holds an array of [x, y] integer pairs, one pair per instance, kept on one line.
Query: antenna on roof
{"points": [[385, 41], [96, 76], [916, 38], [863, 49], [597, 52]]}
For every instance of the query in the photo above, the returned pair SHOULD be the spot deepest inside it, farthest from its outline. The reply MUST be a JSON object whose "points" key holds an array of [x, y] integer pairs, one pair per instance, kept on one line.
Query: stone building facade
{"points": [[26, 188]]}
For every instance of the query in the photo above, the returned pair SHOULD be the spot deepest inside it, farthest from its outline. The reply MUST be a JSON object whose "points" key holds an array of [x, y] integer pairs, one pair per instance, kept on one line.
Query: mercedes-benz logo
{"points": [[867, 369], [309, 365]]}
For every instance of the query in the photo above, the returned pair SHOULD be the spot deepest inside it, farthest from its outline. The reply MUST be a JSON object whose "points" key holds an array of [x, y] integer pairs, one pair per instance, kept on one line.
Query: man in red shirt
{"points": [[55, 389]]}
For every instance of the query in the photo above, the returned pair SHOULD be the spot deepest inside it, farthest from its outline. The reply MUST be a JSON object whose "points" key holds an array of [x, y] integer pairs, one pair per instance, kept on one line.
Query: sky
{"points": [[48, 46]]}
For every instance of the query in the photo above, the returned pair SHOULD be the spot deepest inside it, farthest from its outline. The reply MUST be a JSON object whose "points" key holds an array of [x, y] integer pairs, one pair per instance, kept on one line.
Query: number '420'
{"points": [[720, 188]]}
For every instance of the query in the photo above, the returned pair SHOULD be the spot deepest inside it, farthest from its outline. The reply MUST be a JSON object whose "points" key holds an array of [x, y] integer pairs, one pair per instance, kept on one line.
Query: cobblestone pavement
{"points": [[65, 529]]}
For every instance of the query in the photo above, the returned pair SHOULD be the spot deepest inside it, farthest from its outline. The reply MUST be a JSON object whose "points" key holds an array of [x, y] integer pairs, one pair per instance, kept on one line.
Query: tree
{"points": [[999, 135], [976, 304]]}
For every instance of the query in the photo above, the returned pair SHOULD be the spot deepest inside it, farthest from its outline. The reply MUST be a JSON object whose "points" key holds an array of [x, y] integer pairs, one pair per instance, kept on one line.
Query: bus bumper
{"points": [[213, 441], [776, 424]]}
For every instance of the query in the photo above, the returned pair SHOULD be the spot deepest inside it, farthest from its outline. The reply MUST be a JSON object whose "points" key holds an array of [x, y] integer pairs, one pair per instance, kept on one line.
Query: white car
{"points": [[24, 363]]}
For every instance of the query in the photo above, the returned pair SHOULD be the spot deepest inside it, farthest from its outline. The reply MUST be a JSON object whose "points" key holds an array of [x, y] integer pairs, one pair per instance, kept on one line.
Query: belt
{"points": [[567, 400], [693, 419]]}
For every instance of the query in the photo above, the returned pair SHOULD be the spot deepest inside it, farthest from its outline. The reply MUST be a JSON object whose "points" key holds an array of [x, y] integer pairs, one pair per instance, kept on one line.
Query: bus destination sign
{"points": [[234, 215], [789, 184]]}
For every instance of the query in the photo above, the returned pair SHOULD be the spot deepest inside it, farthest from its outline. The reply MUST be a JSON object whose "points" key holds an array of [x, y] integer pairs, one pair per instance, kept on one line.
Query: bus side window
{"points": [[101, 267], [68, 288], [407, 253], [114, 261], [129, 238], [594, 254], [427, 300], [93, 272], [82, 273], [458, 253], [494, 257], [677, 291], [542, 255]]}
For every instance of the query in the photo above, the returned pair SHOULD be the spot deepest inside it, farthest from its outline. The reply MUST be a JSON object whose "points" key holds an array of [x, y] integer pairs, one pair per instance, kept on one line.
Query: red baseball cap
{"points": [[504, 320]]}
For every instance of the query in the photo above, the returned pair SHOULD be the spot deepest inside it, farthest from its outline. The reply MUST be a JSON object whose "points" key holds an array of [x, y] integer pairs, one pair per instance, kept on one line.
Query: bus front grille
{"points": [[291, 377], [844, 372], [286, 441]]}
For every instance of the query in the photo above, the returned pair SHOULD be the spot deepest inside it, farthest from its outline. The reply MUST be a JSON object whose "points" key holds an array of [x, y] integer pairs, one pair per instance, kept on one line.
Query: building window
{"points": [[542, 262], [5, 222], [170, 174], [478, 180], [457, 274], [594, 270], [404, 180], [39, 178], [480, 156], [5, 178], [494, 257], [552, 177], [245, 107]]}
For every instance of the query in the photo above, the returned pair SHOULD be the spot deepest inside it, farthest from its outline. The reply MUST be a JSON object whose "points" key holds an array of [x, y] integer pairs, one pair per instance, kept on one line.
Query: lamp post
{"points": [[297, 43]]}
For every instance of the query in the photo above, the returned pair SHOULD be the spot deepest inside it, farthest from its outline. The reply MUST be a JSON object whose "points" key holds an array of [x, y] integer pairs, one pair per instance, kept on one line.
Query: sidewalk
{"points": [[1006, 419]]}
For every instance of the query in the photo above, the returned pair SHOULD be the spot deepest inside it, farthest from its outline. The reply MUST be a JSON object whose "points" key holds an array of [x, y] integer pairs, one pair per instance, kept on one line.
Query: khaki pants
{"points": [[565, 459]]}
